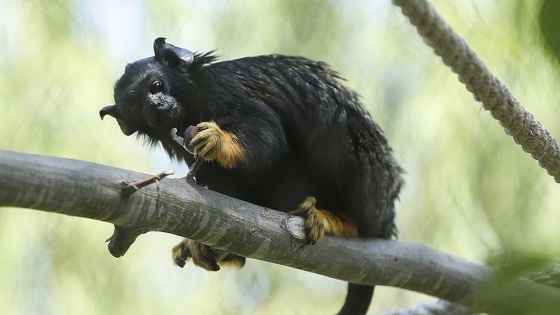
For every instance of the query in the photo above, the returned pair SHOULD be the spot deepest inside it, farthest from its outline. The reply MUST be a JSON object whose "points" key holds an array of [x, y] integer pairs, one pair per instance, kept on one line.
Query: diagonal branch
{"points": [[525, 129], [174, 206]]}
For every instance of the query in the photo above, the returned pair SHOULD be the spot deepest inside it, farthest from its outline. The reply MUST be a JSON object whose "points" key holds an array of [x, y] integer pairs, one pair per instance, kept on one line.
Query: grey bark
{"points": [[175, 206]]}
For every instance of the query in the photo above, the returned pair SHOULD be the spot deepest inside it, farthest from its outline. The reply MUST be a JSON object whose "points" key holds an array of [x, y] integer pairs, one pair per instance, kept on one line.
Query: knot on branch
{"points": [[122, 239]]}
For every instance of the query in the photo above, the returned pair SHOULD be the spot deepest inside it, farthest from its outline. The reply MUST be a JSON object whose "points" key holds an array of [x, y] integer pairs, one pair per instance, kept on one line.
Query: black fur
{"points": [[303, 132]]}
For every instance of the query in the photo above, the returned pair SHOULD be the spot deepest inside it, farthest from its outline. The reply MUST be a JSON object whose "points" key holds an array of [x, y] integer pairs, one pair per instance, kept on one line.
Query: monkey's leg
{"points": [[211, 143], [319, 221], [204, 256]]}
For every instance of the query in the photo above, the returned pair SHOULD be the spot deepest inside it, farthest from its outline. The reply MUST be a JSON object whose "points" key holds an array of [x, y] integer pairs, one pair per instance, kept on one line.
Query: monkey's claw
{"points": [[319, 222], [211, 143], [314, 224], [202, 255], [206, 141], [180, 254]]}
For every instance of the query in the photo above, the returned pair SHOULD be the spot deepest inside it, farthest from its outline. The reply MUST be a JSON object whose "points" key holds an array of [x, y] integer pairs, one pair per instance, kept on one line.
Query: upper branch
{"points": [[525, 129]]}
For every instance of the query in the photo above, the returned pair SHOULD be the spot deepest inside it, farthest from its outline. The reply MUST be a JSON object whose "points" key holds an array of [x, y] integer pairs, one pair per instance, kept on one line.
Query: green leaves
{"points": [[549, 25]]}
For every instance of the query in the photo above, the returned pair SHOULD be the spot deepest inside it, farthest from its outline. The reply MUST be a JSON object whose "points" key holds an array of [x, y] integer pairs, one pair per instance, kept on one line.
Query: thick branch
{"points": [[525, 129], [95, 191]]}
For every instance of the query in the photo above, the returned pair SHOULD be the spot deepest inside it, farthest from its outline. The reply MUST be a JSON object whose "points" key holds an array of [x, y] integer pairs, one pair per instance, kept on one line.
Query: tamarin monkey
{"points": [[278, 131]]}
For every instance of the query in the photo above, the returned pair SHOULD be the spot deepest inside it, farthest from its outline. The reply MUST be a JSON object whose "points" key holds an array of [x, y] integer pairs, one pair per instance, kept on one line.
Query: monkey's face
{"points": [[149, 95], [146, 98]]}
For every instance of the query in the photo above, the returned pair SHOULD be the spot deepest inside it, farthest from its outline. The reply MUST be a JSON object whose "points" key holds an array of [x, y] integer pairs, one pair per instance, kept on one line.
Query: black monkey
{"points": [[278, 131]]}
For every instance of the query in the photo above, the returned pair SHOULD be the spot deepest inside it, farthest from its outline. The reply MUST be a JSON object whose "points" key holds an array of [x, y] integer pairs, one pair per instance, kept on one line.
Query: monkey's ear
{"points": [[171, 55], [111, 110]]}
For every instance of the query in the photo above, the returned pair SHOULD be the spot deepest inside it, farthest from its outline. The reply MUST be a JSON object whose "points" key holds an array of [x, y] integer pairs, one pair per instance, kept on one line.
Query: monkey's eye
{"points": [[156, 86]]}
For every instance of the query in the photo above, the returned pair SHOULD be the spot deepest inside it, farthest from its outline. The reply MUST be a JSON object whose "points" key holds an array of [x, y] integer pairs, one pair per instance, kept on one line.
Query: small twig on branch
{"points": [[194, 168], [133, 187]]}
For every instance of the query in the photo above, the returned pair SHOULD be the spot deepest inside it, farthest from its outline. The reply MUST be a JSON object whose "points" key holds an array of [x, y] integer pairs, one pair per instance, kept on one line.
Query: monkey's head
{"points": [[150, 96]]}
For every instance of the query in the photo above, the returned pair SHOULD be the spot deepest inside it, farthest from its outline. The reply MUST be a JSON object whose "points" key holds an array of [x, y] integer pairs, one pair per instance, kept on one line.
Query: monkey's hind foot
{"points": [[211, 143], [204, 256], [318, 222]]}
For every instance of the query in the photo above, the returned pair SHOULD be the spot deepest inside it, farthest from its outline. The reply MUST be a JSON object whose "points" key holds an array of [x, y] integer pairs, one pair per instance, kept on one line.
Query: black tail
{"points": [[357, 300]]}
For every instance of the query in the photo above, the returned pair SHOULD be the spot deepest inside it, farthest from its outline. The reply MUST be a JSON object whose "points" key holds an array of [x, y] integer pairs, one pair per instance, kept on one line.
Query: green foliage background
{"points": [[470, 190]]}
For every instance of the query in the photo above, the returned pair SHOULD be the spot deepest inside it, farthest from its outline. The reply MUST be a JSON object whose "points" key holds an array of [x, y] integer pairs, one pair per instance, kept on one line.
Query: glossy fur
{"points": [[291, 131]]}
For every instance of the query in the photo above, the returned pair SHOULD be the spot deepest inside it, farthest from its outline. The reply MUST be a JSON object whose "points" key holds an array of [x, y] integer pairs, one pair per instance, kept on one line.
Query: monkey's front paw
{"points": [[211, 143]]}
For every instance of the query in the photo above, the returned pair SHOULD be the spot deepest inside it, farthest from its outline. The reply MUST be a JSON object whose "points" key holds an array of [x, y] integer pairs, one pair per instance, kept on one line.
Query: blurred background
{"points": [[470, 190]]}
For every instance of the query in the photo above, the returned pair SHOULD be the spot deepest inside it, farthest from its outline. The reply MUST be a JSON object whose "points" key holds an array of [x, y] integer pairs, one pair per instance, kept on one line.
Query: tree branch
{"points": [[95, 191], [525, 129], [439, 307]]}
